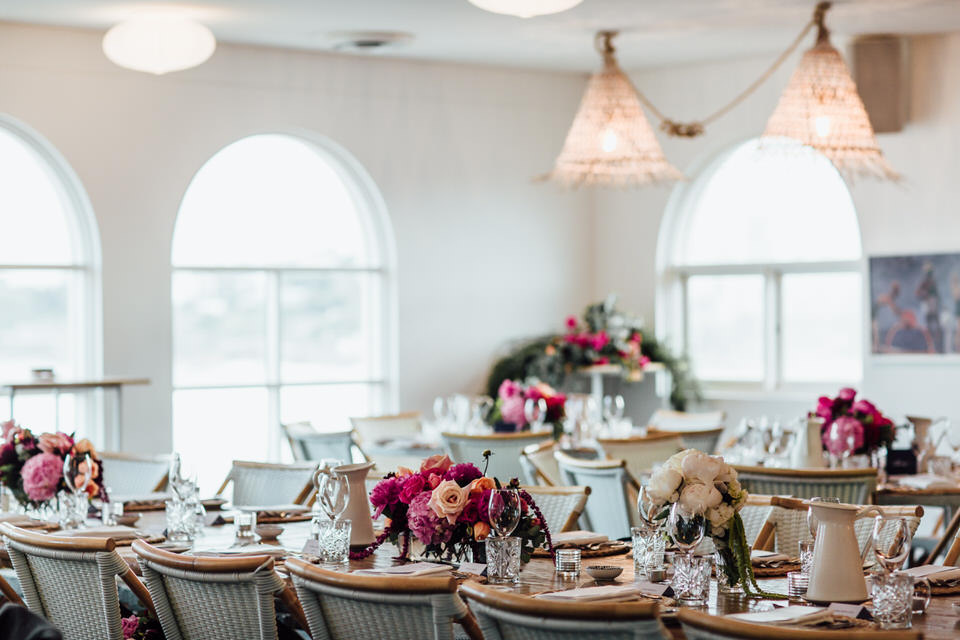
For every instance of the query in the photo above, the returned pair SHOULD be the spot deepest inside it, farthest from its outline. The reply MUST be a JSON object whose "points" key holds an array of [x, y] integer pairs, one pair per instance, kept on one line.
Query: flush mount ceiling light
{"points": [[158, 44], [525, 8], [821, 108], [610, 142]]}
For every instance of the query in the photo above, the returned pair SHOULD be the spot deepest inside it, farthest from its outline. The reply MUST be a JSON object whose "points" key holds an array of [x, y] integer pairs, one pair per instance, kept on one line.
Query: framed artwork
{"points": [[915, 304]]}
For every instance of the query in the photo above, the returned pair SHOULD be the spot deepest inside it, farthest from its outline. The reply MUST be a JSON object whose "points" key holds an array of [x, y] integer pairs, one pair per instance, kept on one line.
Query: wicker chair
{"points": [[851, 486], [506, 448], [703, 626], [507, 616], [261, 483], [371, 429], [699, 430], [72, 582], [641, 453], [307, 443], [129, 474], [213, 598], [787, 525], [754, 515], [560, 506], [538, 464], [340, 606], [8, 593], [611, 509]]}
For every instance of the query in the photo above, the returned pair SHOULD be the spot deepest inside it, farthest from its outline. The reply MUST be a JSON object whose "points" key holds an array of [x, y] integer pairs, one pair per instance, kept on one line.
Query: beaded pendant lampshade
{"points": [[821, 108], [611, 142]]}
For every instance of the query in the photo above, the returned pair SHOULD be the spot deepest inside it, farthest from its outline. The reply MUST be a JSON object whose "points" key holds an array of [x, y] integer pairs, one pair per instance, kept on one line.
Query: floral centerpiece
{"points": [[856, 423], [509, 410], [708, 486], [31, 466], [444, 506], [592, 343]]}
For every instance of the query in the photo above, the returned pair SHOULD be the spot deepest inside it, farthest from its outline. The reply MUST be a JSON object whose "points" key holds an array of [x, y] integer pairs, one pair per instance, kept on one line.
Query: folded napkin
{"points": [[118, 532], [925, 481], [761, 558], [409, 570], [273, 510], [249, 550], [786, 615], [937, 575], [578, 538], [607, 593]]}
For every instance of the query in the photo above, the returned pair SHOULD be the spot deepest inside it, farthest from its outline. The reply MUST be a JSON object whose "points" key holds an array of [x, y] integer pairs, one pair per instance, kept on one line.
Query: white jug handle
{"points": [[861, 513]]}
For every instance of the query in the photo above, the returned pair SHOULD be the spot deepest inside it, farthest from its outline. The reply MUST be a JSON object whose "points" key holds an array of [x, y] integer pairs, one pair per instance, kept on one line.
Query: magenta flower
{"points": [[864, 406], [571, 322], [825, 408], [509, 389], [463, 474], [424, 523], [385, 494], [412, 486], [41, 475], [847, 394], [512, 411], [8, 453], [845, 435], [599, 340], [129, 625]]}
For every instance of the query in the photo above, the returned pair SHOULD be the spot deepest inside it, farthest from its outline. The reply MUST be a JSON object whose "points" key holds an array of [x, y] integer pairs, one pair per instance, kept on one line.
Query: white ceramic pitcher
{"points": [[808, 447], [358, 509], [837, 571]]}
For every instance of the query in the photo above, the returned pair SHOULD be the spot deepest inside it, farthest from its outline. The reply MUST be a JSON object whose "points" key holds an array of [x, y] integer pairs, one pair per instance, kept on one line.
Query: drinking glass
{"points": [[891, 542], [648, 543], [812, 521], [182, 481], [535, 411], [76, 476], [797, 583], [503, 559], [613, 407], [893, 595], [691, 579], [686, 528], [333, 540], [504, 511], [806, 556], [110, 511], [244, 524], [180, 521], [567, 562]]}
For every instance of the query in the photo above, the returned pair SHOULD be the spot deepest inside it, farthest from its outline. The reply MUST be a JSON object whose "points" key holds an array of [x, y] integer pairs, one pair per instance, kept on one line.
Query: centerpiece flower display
{"points": [[445, 506], [851, 426], [518, 407], [708, 487], [31, 467]]}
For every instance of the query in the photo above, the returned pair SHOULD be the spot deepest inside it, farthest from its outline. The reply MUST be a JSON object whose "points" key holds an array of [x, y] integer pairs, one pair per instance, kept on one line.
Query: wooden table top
{"points": [[939, 622]]}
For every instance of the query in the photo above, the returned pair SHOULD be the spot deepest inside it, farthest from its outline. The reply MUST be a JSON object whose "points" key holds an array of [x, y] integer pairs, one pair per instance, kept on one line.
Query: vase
{"points": [[728, 573]]}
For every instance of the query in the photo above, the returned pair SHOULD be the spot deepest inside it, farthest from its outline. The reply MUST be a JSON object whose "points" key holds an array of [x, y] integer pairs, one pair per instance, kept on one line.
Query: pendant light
{"points": [[158, 44], [610, 142], [821, 108], [525, 8]]}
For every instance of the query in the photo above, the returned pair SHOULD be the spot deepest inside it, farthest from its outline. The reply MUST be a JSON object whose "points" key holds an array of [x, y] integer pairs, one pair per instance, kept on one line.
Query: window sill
{"points": [[777, 395]]}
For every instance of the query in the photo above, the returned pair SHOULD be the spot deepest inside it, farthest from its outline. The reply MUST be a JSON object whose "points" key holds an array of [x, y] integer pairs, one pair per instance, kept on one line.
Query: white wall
{"points": [[484, 255], [920, 216]]}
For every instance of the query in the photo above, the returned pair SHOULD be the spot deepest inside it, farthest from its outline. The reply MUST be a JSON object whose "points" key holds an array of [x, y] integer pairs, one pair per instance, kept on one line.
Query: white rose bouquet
{"points": [[707, 485]]}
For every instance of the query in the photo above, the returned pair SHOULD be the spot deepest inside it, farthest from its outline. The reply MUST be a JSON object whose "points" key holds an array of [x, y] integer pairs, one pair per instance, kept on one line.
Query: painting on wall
{"points": [[915, 304]]}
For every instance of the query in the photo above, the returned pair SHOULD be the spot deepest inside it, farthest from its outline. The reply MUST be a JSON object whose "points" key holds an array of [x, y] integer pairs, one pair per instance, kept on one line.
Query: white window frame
{"points": [[378, 228], [671, 305], [86, 328]]}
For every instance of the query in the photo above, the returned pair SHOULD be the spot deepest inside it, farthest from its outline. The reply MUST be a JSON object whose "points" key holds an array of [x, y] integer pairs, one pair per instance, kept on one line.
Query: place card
{"points": [[850, 610], [474, 568], [311, 547], [656, 589]]}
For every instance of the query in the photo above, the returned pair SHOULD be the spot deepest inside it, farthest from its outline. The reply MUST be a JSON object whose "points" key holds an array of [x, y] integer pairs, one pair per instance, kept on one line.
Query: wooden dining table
{"points": [[538, 576]]}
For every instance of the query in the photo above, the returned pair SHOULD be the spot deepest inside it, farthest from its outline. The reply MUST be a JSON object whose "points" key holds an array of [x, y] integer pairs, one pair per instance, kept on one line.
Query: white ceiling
{"points": [[655, 32]]}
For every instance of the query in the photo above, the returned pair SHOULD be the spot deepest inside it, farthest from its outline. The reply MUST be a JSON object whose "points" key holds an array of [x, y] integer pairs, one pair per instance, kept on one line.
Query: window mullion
{"points": [[274, 340], [771, 342]]}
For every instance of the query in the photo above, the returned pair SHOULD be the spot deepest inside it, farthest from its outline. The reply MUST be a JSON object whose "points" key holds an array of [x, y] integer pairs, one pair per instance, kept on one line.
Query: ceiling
{"points": [[654, 32]]}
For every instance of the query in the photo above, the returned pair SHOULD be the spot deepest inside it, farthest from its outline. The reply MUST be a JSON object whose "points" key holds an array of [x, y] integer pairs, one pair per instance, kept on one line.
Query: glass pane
{"points": [[213, 427], [34, 214], [35, 327], [219, 328], [329, 406], [725, 327], [269, 200], [769, 202], [821, 327], [328, 326]]}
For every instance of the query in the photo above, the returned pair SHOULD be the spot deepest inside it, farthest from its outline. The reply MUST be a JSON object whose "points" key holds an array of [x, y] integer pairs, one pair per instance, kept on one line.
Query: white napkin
{"points": [[413, 569], [925, 481], [784, 615], [578, 538], [249, 550], [118, 532], [760, 557], [934, 573], [594, 594], [272, 508]]}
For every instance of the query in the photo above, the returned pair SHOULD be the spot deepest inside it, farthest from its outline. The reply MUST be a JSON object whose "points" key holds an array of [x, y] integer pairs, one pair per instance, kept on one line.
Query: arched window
{"points": [[49, 281], [282, 302], [760, 276]]}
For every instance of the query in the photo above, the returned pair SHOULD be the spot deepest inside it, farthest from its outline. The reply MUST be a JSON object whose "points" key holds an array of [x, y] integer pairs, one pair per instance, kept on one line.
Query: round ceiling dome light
{"points": [[158, 44], [526, 8]]}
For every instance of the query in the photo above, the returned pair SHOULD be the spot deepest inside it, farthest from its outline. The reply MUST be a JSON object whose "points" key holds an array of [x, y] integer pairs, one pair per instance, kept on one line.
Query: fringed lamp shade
{"points": [[611, 142], [821, 108]]}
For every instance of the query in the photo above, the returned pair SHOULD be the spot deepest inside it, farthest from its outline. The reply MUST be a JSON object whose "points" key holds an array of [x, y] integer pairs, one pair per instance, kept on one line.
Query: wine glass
{"points": [[613, 407], [535, 411], [891, 542], [686, 528], [332, 494], [812, 521], [504, 511], [75, 474], [441, 411], [649, 509], [181, 479]]}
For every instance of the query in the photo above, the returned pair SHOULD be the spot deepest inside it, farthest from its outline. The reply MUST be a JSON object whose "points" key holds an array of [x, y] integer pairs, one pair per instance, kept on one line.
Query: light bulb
{"points": [[821, 124], [609, 141]]}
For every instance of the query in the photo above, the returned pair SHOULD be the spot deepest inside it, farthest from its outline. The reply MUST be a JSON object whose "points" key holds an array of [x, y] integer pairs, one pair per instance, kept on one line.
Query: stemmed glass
{"points": [[646, 539], [504, 511], [182, 481], [535, 411], [332, 493], [613, 407], [686, 528], [441, 411], [891, 542], [76, 473], [812, 522]]}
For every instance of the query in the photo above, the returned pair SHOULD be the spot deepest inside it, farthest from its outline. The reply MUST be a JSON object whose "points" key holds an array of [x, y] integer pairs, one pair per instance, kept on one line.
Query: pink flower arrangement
{"points": [[129, 626], [585, 347], [858, 422], [41, 476], [512, 396], [446, 507]]}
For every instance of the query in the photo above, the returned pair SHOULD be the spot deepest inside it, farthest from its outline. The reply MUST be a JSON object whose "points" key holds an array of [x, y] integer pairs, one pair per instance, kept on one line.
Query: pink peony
{"points": [[842, 430], [41, 474], [512, 411], [509, 389], [412, 486], [847, 394], [385, 494], [424, 523], [129, 626], [55, 443]]}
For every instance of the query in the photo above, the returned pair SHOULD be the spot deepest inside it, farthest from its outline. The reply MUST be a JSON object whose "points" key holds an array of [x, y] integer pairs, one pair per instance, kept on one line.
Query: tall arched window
{"points": [[760, 275], [282, 301], [49, 281]]}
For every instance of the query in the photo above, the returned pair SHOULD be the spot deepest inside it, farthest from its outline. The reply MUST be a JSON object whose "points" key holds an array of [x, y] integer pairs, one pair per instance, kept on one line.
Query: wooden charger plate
{"points": [[773, 572], [602, 550]]}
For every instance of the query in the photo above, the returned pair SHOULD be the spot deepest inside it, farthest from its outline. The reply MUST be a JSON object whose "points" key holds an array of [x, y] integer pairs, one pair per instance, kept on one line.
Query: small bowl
{"points": [[269, 531], [604, 571], [128, 519]]}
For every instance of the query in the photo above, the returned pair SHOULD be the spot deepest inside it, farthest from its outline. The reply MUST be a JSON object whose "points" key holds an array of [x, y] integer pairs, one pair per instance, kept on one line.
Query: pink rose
{"points": [[433, 480], [511, 410], [41, 475], [129, 626], [412, 486], [436, 464], [9, 427], [571, 322], [448, 500], [825, 408], [847, 394], [509, 389], [845, 435], [599, 341], [55, 443], [864, 406]]}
